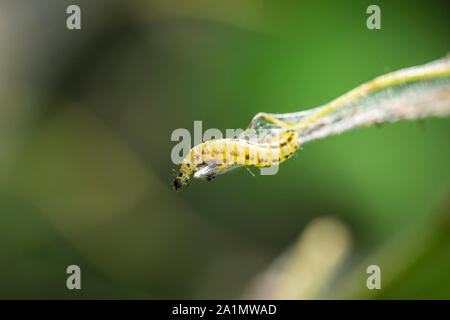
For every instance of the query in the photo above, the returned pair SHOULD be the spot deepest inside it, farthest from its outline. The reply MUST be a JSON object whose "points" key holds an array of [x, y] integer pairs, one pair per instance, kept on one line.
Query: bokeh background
{"points": [[85, 170]]}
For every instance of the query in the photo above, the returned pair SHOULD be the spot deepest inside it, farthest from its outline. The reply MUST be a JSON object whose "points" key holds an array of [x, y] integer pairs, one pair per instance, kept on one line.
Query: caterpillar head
{"points": [[180, 181], [202, 171]]}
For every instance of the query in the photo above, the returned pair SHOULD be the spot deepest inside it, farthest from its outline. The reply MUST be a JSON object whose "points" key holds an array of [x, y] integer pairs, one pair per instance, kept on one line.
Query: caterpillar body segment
{"points": [[226, 153]]}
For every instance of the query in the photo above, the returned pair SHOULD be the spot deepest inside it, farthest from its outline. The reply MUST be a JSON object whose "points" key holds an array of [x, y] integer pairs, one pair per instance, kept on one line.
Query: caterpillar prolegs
{"points": [[231, 152]]}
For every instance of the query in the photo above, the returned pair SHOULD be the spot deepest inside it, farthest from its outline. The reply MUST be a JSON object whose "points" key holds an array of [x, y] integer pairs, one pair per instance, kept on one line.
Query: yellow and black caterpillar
{"points": [[231, 152]]}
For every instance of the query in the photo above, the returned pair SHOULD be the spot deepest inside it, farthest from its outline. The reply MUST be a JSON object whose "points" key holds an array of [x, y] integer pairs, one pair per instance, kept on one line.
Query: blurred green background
{"points": [[85, 171]]}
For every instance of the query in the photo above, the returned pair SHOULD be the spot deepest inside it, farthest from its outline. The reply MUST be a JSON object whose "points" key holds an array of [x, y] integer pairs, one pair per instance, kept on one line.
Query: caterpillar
{"points": [[230, 152]]}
